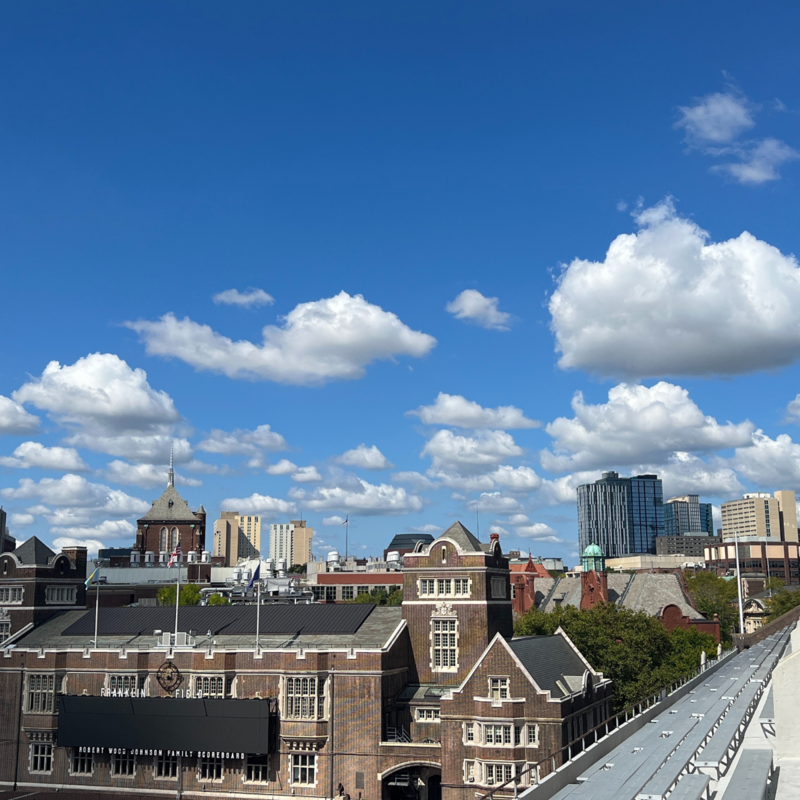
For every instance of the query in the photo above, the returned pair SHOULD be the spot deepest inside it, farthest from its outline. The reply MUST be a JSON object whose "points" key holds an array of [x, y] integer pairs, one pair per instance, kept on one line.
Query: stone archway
{"points": [[412, 781]]}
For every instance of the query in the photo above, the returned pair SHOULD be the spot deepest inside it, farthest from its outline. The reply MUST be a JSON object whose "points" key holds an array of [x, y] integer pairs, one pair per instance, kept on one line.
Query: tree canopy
{"points": [[781, 601], [190, 595], [715, 595], [633, 649], [380, 597], [218, 600]]}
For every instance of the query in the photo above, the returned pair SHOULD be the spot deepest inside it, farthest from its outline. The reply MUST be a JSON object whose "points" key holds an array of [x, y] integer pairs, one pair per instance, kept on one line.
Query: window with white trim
{"points": [[533, 735], [61, 595], [5, 630], [41, 693], [461, 586], [469, 732], [304, 769], [498, 689], [427, 715], [257, 769], [41, 757], [497, 734], [444, 587], [498, 587], [362, 590], [11, 595], [518, 734], [81, 763], [166, 766], [444, 644], [347, 592], [469, 772], [123, 764], [210, 685], [209, 768], [126, 683], [427, 586], [494, 774], [305, 698]]}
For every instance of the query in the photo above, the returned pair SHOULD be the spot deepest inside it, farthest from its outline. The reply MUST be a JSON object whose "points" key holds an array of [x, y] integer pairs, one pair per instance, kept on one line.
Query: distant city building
{"points": [[237, 536], [757, 559], [7, 541], [621, 515], [687, 516], [290, 542], [169, 521], [687, 545], [759, 515]]}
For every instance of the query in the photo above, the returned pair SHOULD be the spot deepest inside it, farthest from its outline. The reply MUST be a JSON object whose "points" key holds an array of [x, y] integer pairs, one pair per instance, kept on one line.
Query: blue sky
{"points": [[471, 211]]}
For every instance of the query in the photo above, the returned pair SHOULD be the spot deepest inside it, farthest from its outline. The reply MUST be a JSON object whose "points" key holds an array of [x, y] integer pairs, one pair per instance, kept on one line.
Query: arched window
{"points": [[175, 536], [163, 541]]}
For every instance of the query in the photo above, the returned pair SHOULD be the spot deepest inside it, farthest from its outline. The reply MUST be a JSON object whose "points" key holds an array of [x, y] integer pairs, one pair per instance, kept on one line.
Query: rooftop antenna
{"points": [[171, 479]]}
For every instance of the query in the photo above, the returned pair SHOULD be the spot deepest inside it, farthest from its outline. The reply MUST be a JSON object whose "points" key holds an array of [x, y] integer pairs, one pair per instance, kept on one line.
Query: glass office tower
{"points": [[622, 515]]}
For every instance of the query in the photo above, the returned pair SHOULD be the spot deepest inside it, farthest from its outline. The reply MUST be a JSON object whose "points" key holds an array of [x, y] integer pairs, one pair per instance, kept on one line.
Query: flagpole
{"points": [[96, 611], [258, 612], [347, 539], [177, 600]]}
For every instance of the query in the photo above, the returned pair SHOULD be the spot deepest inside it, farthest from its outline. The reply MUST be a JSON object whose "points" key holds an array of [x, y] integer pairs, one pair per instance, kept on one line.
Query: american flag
{"points": [[176, 555]]}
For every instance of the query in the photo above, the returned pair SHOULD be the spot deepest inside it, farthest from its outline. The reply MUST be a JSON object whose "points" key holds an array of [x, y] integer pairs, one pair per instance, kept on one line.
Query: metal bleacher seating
{"points": [[751, 777], [691, 787]]}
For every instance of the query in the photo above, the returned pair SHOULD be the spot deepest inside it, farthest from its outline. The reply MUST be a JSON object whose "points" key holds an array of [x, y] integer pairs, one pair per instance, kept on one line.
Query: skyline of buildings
{"points": [[291, 542]]}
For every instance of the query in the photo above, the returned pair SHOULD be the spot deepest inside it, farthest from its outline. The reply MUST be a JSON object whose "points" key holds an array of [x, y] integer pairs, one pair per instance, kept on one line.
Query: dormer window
{"points": [[171, 503], [498, 689], [444, 554]]}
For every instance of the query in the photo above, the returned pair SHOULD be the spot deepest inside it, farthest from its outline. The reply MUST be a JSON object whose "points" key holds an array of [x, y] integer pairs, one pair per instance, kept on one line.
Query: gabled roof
{"points": [[550, 660], [34, 551], [170, 507], [463, 538]]}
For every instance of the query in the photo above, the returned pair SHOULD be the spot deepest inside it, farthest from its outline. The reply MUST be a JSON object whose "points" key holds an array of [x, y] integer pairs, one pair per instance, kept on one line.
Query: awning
{"points": [[164, 723]]}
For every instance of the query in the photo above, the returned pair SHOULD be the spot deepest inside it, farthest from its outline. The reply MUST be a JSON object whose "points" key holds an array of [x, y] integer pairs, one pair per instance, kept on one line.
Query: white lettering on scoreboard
{"points": [[145, 752], [182, 693]]}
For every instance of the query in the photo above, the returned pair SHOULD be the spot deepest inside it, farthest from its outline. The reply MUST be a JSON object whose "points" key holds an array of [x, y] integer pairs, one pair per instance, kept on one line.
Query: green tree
{"points": [[781, 602], [190, 595], [218, 600], [297, 569], [633, 649], [715, 595], [380, 597]]}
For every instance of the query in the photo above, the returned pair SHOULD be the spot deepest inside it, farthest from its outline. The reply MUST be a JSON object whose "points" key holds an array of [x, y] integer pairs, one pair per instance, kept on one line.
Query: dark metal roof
{"points": [[226, 620], [548, 659], [463, 538], [34, 551], [170, 507], [409, 540]]}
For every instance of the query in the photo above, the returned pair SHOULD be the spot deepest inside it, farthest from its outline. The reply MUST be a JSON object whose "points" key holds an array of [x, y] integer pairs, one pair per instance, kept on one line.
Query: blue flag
{"points": [[89, 580], [255, 577]]}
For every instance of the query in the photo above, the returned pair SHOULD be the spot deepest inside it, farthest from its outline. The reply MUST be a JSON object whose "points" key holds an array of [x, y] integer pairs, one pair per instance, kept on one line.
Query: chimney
{"points": [[78, 556], [494, 537]]}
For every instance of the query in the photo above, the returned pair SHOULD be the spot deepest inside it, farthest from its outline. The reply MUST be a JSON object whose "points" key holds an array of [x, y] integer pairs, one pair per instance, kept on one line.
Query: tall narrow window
{"points": [[166, 766], [209, 768], [304, 769], [163, 543], [305, 698], [444, 644], [123, 764], [41, 694], [81, 763], [174, 539], [41, 757]]}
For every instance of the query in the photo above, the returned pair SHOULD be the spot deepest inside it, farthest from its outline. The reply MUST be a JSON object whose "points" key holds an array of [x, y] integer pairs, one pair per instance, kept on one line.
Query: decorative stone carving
{"points": [[443, 609]]}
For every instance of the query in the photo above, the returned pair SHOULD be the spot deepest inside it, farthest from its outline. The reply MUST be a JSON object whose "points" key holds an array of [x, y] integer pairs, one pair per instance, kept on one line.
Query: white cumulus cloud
{"points": [[540, 532], [457, 411], [245, 442], [472, 306], [333, 338], [334, 520], [35, 455], [495, 502], [666, 301], [450, 452], [283, 467], [306, 475], [108, 529], [248, 299], [717, 118], [365, 458], [769, 463], [759, 162], [145, 475], [21, 520], [14, 419], [638, 423], [259, 504], [684, 473], [359, 496], [91, 545]]}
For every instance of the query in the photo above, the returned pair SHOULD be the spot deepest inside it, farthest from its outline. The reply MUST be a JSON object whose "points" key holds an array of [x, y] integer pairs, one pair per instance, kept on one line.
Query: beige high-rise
{"points": [[237, 536], [761, 516], [291, 542]]}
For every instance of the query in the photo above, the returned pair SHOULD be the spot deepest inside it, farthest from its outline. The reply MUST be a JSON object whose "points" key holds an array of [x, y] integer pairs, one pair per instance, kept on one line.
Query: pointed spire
{"points": [[171, 479]]}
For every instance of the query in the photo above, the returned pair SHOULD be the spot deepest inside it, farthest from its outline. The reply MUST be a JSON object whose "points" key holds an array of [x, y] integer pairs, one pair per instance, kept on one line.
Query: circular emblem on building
{"points": [[169, 677]]}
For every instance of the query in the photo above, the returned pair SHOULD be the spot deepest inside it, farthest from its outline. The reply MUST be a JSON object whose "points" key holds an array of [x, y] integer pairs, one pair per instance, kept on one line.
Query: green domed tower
{"points": [[593, 559]]}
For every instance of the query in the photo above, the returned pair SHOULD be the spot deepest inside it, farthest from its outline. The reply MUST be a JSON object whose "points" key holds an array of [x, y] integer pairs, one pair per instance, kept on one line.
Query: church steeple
{"points": [[171, 479]]}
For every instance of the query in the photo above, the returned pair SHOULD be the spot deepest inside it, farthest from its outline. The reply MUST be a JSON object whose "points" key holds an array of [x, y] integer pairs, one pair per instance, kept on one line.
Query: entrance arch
{"points": [[412, 780]]}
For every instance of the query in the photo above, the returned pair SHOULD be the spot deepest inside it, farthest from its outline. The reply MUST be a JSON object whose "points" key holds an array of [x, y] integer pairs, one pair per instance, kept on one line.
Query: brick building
{"points": [[431, 699], [169, 521]]}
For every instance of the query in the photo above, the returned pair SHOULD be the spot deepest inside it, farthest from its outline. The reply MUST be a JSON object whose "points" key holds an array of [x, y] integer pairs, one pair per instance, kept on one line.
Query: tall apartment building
{"points": [[237, 536], [687, 516], [759, 515], [621, 515], [290, 541]]}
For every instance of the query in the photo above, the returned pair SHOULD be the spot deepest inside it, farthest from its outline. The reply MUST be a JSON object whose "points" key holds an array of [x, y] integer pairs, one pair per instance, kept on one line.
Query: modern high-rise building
{"points": [[621, 515], [237, 536], [759, 515], [687, 516], [290, 541]]}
